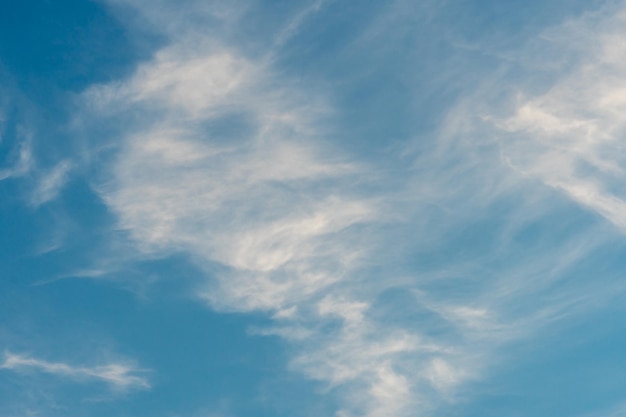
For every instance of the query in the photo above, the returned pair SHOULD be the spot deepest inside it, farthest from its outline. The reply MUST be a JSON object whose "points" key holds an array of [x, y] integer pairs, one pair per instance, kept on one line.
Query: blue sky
{"points": [[218, 208]]}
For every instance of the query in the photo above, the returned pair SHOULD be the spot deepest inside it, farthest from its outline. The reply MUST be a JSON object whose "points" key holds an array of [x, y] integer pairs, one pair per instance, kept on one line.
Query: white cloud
{"points": [[23, 163], [273, 209], [285, 223], [51, 183], [185, 80], [443, 375], [570, 136], [120, 376], [292, 27]]}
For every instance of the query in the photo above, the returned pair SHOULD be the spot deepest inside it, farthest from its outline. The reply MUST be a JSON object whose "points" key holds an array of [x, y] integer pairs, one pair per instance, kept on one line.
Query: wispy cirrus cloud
{"points": [[21, 163], [392, 292], [51, 183], [570, 135], [274, 208], [120, 376]]}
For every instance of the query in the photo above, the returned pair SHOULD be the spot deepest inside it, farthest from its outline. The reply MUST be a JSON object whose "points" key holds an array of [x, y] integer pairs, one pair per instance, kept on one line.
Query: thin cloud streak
{"points": [[22, 166], [51, 183], [118, 375]]}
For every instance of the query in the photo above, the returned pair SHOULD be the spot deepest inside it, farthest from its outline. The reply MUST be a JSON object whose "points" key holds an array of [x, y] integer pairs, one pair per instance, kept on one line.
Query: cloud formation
{"points": [[226, 161], [273, 212], [22, 163], [117, 375], [51, 183], [570, 135]]}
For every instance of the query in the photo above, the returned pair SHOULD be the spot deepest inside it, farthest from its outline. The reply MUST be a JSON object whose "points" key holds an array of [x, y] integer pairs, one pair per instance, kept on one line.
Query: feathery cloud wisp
{"points": [[570, 135], [118, 375]]}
